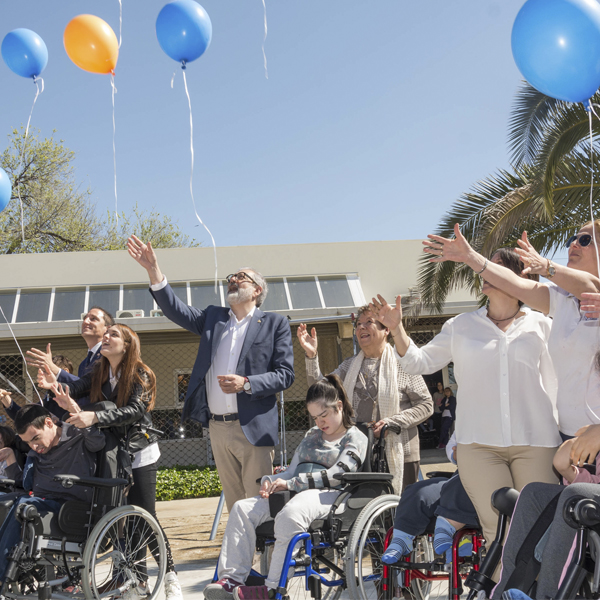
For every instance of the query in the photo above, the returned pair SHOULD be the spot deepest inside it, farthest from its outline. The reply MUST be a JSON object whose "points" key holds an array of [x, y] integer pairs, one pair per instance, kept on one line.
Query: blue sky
{"points": [[376, 115]]}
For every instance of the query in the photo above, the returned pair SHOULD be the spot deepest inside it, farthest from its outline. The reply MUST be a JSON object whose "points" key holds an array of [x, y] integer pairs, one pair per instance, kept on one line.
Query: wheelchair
{"points": [[424, 575], [342, 551], [97, 550]]}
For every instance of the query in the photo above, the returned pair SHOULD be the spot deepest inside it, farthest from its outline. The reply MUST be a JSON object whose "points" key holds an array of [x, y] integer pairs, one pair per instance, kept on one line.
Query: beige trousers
{"points": [[239, 463], [484, 469]]}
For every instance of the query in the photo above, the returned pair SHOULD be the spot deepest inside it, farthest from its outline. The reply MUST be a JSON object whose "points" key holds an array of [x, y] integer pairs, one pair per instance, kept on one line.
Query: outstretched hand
{"points": [[442, 249], [40, 359], [533, 262], [144, 254], [46, 378], [389, 316], [308, 341], [63, 399]]}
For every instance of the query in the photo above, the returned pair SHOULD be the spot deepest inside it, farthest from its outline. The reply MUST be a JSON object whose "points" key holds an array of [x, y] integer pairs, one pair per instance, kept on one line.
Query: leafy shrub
{"points": [[176, 483]]}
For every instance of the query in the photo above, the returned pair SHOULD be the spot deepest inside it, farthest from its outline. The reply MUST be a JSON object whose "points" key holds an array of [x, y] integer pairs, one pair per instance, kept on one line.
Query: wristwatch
{"points": [[550, 270], [247, 387]]}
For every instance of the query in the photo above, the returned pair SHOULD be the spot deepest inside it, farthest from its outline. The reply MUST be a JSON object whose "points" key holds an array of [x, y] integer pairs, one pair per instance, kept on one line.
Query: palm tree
{"points": [[547, 192]]}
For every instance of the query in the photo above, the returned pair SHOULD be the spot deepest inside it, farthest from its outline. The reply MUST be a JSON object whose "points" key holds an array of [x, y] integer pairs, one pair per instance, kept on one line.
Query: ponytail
{"points": [[328, 391]]}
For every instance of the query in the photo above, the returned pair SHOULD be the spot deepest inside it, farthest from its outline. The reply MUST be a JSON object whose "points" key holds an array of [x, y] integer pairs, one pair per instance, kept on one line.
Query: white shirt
{"points": [[572, 345], [225, 362], [506, 384]]}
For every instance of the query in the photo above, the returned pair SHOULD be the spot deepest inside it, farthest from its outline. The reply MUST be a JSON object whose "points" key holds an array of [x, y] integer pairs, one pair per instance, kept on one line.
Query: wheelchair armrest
{"points": [[446, 474], [363, 477], [7, 484], [68, 481]]}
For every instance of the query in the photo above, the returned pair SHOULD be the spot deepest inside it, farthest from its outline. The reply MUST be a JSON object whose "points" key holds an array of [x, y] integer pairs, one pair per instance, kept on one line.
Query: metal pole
{"points": [[217, 519], [282, 439]]}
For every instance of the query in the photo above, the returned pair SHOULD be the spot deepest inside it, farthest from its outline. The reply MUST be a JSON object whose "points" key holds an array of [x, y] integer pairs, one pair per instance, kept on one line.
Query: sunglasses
{"points": [[583, 240]]}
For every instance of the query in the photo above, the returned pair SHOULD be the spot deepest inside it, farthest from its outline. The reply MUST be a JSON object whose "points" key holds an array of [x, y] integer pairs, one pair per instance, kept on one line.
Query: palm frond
{"points": [[531, 114]]}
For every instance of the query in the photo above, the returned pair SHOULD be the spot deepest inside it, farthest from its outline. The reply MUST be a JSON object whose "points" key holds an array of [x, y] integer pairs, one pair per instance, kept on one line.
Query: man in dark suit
{"points": [[245, 357], [93, 327]]}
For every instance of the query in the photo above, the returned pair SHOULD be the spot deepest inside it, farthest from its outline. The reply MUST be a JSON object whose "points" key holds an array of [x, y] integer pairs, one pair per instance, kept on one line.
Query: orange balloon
{"points": [[91, 44]]}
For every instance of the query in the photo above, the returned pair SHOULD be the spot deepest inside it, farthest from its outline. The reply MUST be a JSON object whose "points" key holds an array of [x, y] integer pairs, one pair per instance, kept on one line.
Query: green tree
{"points": [[546, 193], [58, 214]]}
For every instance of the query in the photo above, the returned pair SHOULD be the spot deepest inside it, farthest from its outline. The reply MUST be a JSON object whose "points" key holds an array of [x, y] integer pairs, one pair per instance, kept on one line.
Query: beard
{"points": [[239, 296]]}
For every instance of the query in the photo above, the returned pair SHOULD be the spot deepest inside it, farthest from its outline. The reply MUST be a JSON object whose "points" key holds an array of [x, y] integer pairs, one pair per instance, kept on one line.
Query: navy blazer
{"points": [[266, 359]]}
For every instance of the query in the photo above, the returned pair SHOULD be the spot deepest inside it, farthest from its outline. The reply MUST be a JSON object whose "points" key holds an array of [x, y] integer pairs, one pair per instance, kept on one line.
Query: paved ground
{"points": [[188, 524]]}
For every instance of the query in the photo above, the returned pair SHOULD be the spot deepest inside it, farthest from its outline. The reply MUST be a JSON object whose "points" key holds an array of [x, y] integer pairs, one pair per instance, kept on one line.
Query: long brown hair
{"points": [[328, 391], [131, 371]]}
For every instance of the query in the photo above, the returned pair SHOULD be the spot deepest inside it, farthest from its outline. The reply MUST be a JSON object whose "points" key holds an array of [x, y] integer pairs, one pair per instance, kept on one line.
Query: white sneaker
{"points": [[172, 587], [134, 593]]}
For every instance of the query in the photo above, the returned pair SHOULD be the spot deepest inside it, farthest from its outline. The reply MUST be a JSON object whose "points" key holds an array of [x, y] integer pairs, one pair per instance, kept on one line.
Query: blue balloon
{"points": [[24, 52], [556, 45], [184, 30], [5, 190]]}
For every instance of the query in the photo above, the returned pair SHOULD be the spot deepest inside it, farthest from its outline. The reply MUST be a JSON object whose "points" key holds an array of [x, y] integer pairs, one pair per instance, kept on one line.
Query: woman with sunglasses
{"points": [[506, 435], [574, 337]]}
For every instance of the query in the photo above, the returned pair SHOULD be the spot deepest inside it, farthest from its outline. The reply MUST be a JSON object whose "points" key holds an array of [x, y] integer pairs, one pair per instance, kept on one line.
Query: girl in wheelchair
{"points": [[333, 446]]}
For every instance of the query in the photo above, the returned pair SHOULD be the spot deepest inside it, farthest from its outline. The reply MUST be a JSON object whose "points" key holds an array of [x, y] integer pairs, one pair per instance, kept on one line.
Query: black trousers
{"points": [[143, 494]]}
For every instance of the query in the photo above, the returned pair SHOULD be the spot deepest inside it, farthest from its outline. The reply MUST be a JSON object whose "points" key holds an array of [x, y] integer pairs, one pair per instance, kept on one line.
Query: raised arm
{"points": [[458, 249], [144, 254]]}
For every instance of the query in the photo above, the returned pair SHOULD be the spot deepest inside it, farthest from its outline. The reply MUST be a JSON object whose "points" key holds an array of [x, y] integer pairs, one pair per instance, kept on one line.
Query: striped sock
{"points": [[444, 532], [401, 545]]}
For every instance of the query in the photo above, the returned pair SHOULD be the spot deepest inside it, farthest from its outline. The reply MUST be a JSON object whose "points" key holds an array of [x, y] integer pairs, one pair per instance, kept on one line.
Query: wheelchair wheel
{"points": [[296, 586], [364, 569], [125, 549]]}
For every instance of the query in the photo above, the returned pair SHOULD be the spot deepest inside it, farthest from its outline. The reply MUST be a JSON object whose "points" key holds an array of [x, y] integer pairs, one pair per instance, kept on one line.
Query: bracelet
{"points": [[485, 264]]}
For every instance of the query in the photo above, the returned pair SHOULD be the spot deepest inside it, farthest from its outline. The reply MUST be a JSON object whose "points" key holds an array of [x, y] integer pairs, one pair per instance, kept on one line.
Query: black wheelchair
{"points": [[97, 550]]}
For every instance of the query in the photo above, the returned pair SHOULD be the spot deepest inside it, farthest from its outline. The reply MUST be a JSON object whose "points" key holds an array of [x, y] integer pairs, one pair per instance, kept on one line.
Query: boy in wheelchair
{"points": [[333, 446], [441, 497], [55, 449]]}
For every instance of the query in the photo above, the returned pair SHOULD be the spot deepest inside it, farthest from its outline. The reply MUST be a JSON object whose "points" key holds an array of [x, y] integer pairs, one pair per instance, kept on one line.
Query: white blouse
{"points": [[506, 383], [572, 345]]}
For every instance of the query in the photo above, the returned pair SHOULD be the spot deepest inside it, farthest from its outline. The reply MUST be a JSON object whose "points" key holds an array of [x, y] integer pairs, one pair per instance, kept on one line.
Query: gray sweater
{"points": [[75, 454]]}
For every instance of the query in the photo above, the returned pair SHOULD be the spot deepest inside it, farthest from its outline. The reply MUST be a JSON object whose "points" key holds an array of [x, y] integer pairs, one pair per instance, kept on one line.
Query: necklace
{"points": [[500, 320]]}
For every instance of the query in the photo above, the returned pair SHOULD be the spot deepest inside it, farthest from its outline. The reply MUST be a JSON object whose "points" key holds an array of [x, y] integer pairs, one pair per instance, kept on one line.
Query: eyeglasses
{"points": [[240, 277], [583, 240], [367, 324]]}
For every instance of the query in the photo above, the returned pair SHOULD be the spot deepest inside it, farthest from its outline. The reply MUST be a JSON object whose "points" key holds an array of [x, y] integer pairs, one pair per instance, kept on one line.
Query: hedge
{"points": [[175, 483]]}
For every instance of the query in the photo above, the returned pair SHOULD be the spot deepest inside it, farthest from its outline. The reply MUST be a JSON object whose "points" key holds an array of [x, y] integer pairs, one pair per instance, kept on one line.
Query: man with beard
{"points": [[245, 357]]}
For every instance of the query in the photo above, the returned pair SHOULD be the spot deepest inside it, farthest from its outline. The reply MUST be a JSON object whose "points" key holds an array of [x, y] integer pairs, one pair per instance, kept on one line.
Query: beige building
{"points": [[44, 295]]}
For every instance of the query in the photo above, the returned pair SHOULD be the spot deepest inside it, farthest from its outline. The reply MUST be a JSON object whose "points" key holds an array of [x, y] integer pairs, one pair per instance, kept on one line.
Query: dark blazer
{"points": [[267, 360]]}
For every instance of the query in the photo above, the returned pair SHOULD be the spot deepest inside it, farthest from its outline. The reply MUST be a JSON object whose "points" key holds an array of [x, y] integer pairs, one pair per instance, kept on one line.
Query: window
{"points": [[203, 295], [276, 298], [138, 297], [33, 306], [336, 291], [69, 304], [106, 298], [7, 302], [304, 293]]}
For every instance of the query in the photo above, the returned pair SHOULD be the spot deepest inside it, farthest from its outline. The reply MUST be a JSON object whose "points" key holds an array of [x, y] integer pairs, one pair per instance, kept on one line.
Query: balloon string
{"points": [[37, 81], [23, 356], [265, 39], [192, 176], [114, 91], [590, 110], [120, 22]]}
